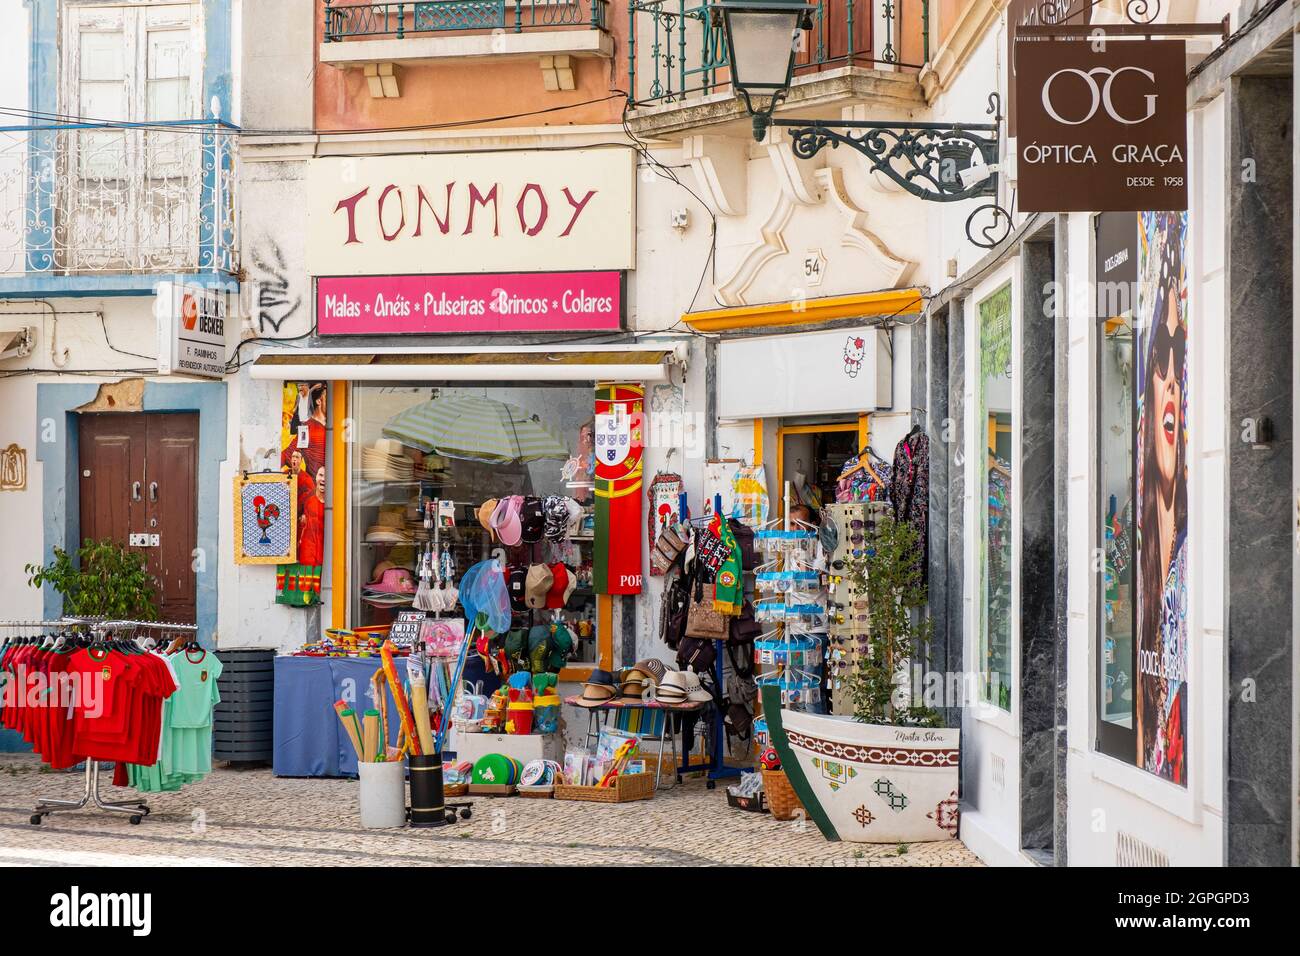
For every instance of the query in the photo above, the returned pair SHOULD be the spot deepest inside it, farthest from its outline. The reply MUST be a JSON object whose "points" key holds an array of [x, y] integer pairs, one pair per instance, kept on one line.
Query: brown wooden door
{"points": [[139, 475]]}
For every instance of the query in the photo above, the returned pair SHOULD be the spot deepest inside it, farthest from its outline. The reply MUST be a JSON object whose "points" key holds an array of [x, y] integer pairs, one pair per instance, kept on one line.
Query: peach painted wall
{"points": [[469, 91], [949, 12]]}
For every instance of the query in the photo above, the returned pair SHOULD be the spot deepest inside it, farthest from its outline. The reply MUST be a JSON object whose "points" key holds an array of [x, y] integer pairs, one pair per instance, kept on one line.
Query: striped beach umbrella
{"points": [[475, 428]]}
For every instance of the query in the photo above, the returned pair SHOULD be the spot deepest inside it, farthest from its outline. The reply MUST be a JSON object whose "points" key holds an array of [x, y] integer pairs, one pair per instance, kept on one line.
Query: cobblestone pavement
{"points": [[251, 818]]}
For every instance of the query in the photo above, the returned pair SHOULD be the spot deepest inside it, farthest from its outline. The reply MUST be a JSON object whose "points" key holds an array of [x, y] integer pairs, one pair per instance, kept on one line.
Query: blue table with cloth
{"points": [[309, 739]]}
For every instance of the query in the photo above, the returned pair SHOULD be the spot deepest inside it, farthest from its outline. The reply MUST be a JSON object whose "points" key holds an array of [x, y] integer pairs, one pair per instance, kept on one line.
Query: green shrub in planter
{"points": [[104, 579]]}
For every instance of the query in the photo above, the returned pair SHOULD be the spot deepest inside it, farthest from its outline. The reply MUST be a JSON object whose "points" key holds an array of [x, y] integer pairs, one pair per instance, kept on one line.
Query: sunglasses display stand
{"points": [[792, 598], [848, 626]]}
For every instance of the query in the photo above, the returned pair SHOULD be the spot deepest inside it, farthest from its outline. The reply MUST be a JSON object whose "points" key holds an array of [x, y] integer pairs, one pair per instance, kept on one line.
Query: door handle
{"points": [[135, 491], [153, 491]]}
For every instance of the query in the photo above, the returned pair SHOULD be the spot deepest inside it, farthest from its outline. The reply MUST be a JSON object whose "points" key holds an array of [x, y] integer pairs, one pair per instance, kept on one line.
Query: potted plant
{"points": [[888, 774], [104, 579]]}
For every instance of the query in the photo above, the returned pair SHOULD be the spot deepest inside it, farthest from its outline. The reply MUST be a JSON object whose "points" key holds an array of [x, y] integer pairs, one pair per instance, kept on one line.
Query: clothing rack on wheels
{"points": [[99, 628]]}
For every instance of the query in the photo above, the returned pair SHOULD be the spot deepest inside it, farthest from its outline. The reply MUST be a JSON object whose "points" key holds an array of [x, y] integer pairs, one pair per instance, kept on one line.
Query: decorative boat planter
{"points": [[868, 783]]}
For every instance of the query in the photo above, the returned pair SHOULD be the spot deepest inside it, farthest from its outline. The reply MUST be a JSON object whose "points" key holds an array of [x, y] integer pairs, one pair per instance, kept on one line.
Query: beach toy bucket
{"points": [[519, 717]]}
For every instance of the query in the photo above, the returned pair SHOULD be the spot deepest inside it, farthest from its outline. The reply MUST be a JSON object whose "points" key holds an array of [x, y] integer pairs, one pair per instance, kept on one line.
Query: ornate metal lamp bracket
{"points": [[937, 162]]}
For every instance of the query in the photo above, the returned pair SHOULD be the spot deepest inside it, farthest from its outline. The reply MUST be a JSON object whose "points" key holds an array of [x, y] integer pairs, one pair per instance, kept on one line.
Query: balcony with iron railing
{"points": [[369, 34], [678, 71], [108, 208]]}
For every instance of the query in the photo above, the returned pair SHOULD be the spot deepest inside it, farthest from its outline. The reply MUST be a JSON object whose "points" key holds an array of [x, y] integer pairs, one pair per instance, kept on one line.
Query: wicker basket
{"points": [[544, 792], [636, 786], [781, 799], [454, 789]]}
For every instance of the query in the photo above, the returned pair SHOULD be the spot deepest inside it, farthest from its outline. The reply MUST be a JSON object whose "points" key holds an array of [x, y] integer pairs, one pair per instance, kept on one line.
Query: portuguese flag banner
{"points": [[620, 434]]}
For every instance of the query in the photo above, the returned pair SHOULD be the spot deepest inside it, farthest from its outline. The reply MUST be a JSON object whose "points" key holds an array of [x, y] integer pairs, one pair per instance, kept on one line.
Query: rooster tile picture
{"points": [[266, 519]]}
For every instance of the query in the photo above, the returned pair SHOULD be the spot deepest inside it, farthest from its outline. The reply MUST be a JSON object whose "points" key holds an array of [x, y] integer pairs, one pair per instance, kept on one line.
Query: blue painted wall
{"points": [[55, 404]]}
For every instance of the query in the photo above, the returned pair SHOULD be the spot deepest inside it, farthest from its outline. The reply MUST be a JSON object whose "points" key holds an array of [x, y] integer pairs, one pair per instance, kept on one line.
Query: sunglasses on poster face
{"points": [[1168, 343]]}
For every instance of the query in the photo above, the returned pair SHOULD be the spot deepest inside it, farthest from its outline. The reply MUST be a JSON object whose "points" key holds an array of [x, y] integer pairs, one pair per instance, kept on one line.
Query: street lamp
{"points": [[763, 37], [937, 162]]}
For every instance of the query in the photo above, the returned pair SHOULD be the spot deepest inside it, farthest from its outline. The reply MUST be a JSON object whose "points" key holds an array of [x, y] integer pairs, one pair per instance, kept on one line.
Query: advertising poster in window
{"points": [[1161, 451], [303, 436]]}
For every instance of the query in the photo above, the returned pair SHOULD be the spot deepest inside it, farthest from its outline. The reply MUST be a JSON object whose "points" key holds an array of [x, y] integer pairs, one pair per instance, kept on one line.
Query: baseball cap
{"points": [[532, 519], [517, 585], [556, 508], [563, 581], [576, 514], [536, 585]]}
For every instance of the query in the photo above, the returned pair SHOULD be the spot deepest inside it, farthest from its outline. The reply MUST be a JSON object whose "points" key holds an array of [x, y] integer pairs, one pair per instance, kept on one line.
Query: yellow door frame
{"points": [[340, 517], [862, 426]]}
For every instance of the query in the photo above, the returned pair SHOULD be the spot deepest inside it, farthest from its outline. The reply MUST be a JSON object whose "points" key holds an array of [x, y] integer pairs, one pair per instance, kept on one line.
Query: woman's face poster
{"points": [[1161, 451]]}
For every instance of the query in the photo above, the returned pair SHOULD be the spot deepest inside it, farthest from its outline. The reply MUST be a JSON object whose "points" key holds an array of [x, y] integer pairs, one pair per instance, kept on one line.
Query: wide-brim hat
{"points": [[636, 688], [598, 688], [652, 668], [594, 695], [678, 687]]}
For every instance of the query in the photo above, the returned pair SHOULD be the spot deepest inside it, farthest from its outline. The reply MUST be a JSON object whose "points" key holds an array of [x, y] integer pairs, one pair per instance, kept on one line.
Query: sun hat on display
{"points": [[505, 520], [652, 668], [485, 516], [597, 689], [679, 687], [394, 581]]}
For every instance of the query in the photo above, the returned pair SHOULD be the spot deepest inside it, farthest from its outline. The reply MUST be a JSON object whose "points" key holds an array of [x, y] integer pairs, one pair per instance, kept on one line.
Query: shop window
{"points": [[1115, 678], [466, 444], [1142, 483], [993, 479]]}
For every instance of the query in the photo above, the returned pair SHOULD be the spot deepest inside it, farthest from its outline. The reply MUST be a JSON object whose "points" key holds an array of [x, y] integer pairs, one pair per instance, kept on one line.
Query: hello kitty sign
{"points": [[836, 371], [854, 349]]}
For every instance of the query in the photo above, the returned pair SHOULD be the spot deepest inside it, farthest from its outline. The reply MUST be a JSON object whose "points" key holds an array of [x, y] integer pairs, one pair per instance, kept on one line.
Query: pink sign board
{"points": [[470, 302]]}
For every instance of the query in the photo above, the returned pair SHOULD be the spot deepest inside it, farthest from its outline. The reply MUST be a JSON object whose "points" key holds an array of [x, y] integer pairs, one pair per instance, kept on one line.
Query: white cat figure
{"points": [[854, 350]]}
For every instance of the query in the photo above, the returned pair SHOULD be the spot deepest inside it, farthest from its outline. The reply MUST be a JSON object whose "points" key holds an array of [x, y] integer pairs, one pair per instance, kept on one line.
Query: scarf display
{"points": [[729, 583]]}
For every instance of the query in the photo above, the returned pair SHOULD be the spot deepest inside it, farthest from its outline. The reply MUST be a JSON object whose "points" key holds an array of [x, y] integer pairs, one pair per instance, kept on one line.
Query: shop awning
{"points": [[809, 312], [635, 363]]}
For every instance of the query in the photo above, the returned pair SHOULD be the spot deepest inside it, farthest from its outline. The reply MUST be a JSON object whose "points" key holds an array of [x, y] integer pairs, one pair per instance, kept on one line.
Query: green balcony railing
{"points": [[398, 20], [676, 49]]}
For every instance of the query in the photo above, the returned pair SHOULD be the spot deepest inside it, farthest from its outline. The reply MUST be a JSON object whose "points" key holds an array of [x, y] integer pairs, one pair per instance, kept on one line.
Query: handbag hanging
{"points": [[664, 495], [702, 620]]}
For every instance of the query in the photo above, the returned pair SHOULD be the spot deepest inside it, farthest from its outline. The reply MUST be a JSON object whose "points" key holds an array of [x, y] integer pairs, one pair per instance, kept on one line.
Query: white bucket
{"points": [[383, 794]]}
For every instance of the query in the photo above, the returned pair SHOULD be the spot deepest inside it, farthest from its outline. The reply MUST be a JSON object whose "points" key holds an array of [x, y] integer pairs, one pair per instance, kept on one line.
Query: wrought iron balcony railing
{"points": [[399, 20], [676, 51], [118, 198]]}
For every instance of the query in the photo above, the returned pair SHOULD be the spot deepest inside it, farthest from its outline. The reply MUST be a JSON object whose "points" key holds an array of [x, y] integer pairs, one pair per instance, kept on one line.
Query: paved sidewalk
{"points": [[251, 818]]}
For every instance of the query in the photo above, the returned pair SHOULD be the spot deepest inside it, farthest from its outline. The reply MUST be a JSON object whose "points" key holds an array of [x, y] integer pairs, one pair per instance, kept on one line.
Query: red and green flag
{"points": [[619, 440]]}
